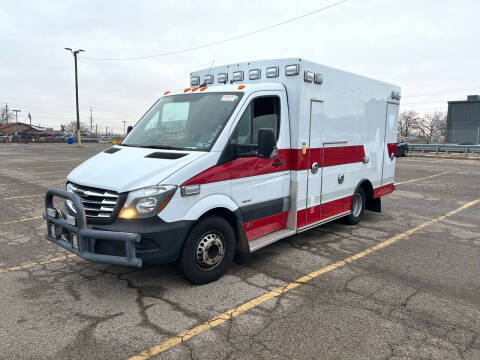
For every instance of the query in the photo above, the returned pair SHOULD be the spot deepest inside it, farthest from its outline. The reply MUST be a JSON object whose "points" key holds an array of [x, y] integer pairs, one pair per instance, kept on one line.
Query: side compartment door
{"points": [[390, 144], [260, 187], [315, 158]]}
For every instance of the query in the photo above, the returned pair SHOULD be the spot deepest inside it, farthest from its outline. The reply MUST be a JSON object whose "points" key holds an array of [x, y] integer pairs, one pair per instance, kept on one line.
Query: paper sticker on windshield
{"points": [[228, 98]]}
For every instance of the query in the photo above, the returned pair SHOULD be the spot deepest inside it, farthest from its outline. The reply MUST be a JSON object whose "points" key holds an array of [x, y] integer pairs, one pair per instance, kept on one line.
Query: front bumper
{"points": [[135, 242], [76, 237]]}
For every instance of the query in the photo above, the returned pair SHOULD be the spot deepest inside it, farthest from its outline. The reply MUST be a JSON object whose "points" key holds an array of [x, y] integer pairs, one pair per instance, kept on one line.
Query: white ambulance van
{"points": [[247, 155]]}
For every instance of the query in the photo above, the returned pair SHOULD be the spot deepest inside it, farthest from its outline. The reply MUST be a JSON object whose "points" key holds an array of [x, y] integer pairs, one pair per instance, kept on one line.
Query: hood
{"points": [[130, 168]]}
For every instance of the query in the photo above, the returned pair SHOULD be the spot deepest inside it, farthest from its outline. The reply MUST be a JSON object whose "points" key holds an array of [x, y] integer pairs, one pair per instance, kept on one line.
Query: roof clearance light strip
{"points": [[254, 74], [208, 79], [237, 76], [308, 76], [222, 78], [194, 80], [293, 69], [272, 72]]}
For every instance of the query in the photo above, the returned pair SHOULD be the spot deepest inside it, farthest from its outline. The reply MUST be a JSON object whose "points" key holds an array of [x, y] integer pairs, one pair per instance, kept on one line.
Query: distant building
{"points": [[463, 121], [26, 131]]}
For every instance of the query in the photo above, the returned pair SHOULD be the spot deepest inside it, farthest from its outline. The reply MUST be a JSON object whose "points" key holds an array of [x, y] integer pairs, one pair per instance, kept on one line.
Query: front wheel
{"points": [[208, 250], [358, 207]]}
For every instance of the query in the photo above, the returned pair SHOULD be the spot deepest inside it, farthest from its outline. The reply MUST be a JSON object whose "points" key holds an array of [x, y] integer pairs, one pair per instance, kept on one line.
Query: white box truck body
{"points": [[249, 154]]}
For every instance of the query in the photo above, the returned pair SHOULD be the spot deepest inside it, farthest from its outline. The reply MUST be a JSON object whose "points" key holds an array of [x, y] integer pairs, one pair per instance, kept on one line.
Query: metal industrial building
{"points": [[463, 121]]}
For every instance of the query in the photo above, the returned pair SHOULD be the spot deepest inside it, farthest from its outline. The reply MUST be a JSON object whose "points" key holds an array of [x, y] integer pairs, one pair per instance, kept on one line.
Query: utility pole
{"points": [[91, 122], [75, 53], [96, 130], [106, 131], [124, 121], [16, 120]]}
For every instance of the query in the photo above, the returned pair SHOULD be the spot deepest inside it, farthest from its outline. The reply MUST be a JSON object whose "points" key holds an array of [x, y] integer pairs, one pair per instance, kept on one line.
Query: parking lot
{"points": [[403, 284]]}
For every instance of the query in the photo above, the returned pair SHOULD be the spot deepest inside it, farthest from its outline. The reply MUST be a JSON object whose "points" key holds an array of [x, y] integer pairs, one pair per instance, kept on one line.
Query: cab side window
{"points": [[261, 113]]}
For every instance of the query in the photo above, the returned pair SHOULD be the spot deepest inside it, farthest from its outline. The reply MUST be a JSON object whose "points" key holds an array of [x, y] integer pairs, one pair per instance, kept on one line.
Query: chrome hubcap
{"points": [[357, 204], [210, 250]]}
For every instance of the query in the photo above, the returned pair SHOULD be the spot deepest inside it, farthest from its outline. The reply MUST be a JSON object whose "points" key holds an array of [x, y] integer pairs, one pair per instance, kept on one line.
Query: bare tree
{"points": [[5, 114], [71, 127], [407, 121], [432, 125]]}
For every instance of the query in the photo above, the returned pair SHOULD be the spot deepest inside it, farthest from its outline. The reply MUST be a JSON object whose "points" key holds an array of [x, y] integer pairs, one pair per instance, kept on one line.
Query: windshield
{"points": [[185, 122]]}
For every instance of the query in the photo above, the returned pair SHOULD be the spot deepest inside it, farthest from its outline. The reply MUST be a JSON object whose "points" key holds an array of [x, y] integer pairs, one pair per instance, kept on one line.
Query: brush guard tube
{"points": [[86, 237]]}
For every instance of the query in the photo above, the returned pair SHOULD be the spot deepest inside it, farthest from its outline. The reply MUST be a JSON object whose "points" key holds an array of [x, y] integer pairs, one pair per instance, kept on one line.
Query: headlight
{"points": [[147, 202]]}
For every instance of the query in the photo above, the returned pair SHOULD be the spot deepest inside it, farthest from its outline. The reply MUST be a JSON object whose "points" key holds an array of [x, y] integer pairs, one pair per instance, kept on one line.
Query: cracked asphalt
{"points": [[416, 299]]}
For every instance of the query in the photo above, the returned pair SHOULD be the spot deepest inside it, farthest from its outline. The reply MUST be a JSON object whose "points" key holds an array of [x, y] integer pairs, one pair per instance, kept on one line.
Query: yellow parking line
{"points": [[220, 319], [21, 220], [26, 266], [21, 196], [423, 178]]}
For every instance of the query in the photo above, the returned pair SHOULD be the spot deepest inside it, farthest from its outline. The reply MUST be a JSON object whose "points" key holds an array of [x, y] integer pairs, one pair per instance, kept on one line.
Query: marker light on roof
{"points": [[202, 88], [272, 72], [318, 79], [195, 80], [208, 79], [308, 76], [293, 69], [166, 92], [254, 74], [241, 86], [186, 89], [222, 78], [237, 76], [194, 89]]}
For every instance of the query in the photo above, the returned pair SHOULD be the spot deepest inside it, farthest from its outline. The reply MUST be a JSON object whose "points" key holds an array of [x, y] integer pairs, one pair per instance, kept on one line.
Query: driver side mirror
{"points": [[267, 144], [129, 128]]}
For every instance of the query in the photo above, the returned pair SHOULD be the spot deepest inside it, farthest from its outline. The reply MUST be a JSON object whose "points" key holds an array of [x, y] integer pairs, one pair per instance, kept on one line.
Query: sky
{"points": [[427, 47]]}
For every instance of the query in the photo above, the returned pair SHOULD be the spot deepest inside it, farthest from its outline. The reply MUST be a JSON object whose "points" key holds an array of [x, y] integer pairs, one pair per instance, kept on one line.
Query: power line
{"points": [[220, 41]]}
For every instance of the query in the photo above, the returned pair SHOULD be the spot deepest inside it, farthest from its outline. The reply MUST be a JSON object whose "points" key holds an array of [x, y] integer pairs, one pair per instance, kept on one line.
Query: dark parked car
{"points": [[402, 148]]}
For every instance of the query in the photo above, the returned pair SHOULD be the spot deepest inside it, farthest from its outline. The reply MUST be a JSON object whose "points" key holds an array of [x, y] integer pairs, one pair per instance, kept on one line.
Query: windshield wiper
{"points": [[166, 147]]}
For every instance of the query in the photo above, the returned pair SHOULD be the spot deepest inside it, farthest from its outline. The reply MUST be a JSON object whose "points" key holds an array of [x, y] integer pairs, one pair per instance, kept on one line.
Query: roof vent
{"points": [[473, 98]]}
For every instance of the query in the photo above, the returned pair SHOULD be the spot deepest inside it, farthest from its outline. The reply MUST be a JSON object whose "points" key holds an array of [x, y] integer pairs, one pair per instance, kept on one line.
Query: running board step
{"points": [[269, 239]]}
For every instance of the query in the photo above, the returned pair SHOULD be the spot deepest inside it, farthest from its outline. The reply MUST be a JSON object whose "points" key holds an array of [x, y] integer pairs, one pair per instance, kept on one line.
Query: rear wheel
{"points": [[208, 250], [358, 207]]}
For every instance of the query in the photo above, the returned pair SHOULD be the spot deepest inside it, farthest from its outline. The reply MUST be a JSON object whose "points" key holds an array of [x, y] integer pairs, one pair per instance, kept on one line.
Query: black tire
{"points": [[357, 213], [199, 262]]}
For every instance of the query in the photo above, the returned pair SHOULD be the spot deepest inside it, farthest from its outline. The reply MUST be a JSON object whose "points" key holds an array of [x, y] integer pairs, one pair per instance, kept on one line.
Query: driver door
{"points": [[259, 186]]}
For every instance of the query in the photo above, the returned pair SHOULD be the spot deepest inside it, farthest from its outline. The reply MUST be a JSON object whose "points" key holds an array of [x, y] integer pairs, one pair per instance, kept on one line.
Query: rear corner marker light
{"points": [[308, 76], [190, 190], [272, 72], [166, 93], [52, 212], [237, 76], [72, 220], [254, 74], [222, 78], [186, 89], [74, 238], [208, 79], [293, 69], [395, 95], [194, 80], [318, 79], [241, 86]]}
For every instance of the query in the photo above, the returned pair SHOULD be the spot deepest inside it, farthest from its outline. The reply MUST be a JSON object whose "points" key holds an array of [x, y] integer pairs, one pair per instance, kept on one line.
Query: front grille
{"points": [[98, 203]]}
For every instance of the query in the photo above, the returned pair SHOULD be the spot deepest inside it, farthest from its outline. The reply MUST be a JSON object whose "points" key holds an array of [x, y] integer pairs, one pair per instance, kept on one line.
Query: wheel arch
{"points": [[371, 203]]}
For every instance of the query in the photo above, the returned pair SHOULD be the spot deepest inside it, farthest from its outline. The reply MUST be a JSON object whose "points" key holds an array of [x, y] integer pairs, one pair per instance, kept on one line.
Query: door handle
{"points": [[314, 168], [278, 163], [392, 156]]}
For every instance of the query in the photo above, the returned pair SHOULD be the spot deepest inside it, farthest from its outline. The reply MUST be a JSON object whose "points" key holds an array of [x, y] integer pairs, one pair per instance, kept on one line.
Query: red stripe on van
{"points": [[266, 225], [330, 156], [292, 159], [320, 212], [392, 149], [383, 190]]}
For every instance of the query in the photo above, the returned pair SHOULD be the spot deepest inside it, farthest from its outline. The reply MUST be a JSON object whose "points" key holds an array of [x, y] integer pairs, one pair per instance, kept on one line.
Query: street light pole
{"points": [[75, 53], [124, 121]]}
